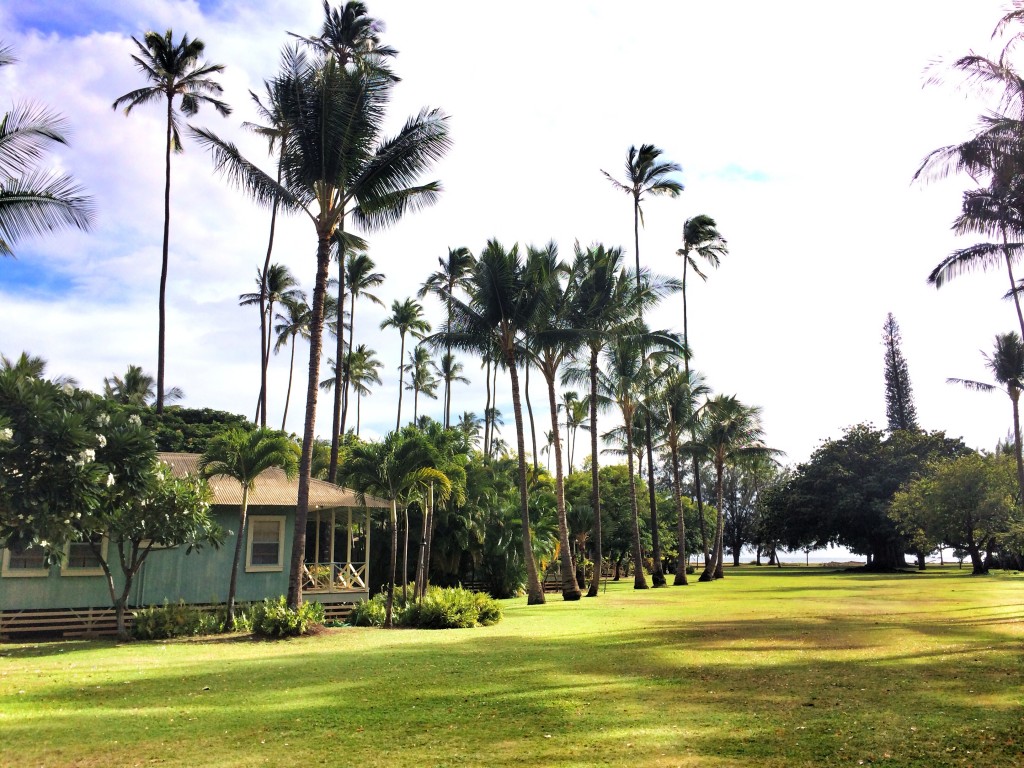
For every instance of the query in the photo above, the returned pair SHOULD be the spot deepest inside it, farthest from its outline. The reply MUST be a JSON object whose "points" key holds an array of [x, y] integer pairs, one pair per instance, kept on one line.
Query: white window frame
{"points": [[20, 573], [249, 567], [67, 570]]}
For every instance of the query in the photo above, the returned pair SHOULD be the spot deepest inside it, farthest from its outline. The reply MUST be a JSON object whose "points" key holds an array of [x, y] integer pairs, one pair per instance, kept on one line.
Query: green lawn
{"points": [[798, 667]]}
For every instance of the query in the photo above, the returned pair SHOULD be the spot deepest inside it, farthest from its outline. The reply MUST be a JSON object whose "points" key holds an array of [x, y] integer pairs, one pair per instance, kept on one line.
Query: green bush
{"points": [[440, 608], [177, 620], [273, 618]]}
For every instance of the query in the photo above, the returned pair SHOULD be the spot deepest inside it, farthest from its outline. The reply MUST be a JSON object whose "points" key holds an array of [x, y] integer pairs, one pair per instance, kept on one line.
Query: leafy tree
{"points": [[841, 495], [174, 71], [899, 398], [336, 162], [34, 200], [963, 502], [244, 456], [187, 430]]}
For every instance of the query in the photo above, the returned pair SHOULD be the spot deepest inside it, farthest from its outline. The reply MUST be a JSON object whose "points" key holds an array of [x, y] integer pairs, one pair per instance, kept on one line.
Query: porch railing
{"points": [[334, 577]]}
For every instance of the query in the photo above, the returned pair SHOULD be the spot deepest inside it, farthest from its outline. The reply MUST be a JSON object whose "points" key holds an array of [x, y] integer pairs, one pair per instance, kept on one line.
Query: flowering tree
{"points": [[73, 468]]}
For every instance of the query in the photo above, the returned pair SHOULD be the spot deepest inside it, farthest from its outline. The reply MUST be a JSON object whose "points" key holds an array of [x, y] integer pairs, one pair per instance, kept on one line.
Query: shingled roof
{"points": [[272, 488]]}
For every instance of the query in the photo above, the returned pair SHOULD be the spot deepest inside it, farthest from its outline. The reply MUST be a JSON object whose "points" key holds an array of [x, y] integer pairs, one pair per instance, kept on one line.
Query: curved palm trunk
{"points": [[401, 381], [316, 331], [1013, 284], [288, 394], [332, 472], [570, 587], [529, 410], [639, 579], [265, 314], [347, 375], [657, 569], [1017, 450], [487, 413], [162, 331], [534, 591], [680, 580], [233, 584], [595, 479]]}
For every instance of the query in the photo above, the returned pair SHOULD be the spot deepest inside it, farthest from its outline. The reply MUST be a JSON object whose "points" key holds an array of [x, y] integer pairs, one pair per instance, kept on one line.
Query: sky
{"points": [[798, 127]]}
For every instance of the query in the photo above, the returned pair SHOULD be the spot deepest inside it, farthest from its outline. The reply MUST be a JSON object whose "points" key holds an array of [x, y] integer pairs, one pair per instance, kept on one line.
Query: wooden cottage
{"points": [[73, 598]]}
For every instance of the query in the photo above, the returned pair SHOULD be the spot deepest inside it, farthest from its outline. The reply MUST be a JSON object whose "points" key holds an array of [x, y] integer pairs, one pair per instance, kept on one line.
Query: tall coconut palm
{"points": [[443, 283], [501, 307], [1007, 366], [174, 71], [388, 469], [421, 379], [136, 388], [337, 163], [729, 431], [407, 318], [449, 370], [34, 200], [352, 36], [294, 322], [363, 371], [361, 278], [274, 284], [551, 340], [680, 393], [244, 456]]}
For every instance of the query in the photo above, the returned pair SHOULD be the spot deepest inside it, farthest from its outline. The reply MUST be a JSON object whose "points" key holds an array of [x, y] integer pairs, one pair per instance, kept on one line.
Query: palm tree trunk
{"points": [[529, 410], [716, 553], [359, 409], [595, 480], [639, 579], [332, 472], [534, 591], [1017, 450], [316, 331], [233, 584], [570, 587], [1013, 284], [347, 376], [389, 605], [288, 395], [162, 331], [657, 570], [405, 556], [398, 419], [265, 315], [487, 412], [680, 580]]}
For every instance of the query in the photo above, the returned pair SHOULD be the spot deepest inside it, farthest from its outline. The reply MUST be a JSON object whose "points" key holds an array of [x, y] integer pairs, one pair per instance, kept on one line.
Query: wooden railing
{"points": [[334, 577]]}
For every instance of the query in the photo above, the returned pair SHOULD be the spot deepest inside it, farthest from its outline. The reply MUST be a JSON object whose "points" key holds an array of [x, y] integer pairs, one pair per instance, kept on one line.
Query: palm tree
{"points": [[351, 36], [26, 366], [680, 394], [136, 388], [294, 322], [729, 431], [420, 377], [336, 163], [175, 71], [35, 200], [449, 370], [550, 341], [1007, 366], [503, 300], [274, 284], [443, 283], [576, 413], [244, 456], [407, 318], [470, 424], [361, 278], [389, 469], [363, 370]]}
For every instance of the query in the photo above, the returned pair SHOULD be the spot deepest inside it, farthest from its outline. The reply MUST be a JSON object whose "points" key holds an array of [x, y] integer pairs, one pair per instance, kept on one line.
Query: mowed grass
{"points": [[768, 667]]}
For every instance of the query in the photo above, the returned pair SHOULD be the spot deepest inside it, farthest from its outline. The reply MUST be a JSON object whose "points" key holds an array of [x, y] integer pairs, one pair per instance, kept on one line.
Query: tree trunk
{"points": [[529, 410], [487, 412], [639, 579], [595, 479], [266, 319], [401, 381], [332, 472], [657, 568], [389, 604], [162, 331], [712, 566], [316, 330], [1015, 399], [405, 555], [570, 587], [288, 395], [920, 561], [534, 590], [233, 583], [680, 579], [347, 370]]}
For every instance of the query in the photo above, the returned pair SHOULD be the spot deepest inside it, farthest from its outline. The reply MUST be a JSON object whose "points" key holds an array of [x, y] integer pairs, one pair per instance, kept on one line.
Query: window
{"points": [[81, 560], [265, 551], [29, 561]]}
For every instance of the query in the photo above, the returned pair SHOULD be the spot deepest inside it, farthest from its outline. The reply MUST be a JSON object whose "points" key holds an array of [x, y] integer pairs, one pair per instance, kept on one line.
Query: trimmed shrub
{"points": [[177, 620], [273, 618], [440, 608], [369, 613], [488, 609]]}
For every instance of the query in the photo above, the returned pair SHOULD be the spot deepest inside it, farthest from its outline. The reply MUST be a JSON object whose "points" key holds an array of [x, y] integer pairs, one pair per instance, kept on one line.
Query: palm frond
{"points": [[42, 201]]}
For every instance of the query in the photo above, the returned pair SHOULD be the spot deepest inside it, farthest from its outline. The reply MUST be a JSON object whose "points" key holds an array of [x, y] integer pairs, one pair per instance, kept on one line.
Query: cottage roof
{"points": [[272, 488]]}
